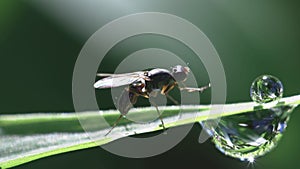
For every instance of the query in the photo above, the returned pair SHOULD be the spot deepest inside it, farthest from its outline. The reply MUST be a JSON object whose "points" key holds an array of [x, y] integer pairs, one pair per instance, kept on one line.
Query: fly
{"points": [[146, 84]]}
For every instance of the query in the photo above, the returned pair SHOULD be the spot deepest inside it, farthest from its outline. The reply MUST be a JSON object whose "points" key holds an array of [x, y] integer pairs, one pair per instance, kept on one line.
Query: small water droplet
{"points": [[251, 160], [266, 88], [249, 135]]}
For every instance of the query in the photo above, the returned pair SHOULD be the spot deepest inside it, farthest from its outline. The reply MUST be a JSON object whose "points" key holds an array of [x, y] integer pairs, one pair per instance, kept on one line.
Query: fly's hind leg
{"points": [[125, 103], [115, 124]]}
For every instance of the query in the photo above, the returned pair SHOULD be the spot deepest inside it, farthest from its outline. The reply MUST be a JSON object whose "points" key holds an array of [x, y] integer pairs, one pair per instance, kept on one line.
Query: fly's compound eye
{"points": [[178, 69]]}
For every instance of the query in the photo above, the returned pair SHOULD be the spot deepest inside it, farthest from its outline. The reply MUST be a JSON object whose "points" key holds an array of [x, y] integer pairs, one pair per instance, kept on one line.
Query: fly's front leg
{"points": [[193, 89]]}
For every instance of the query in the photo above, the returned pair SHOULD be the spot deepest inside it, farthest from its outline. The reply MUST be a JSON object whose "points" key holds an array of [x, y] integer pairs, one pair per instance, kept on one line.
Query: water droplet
{"points": [[249, 135], [266, 88]]}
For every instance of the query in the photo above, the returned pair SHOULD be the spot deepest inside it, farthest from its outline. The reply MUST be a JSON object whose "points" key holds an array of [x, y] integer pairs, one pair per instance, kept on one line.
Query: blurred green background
{"points": [[40, 41]]}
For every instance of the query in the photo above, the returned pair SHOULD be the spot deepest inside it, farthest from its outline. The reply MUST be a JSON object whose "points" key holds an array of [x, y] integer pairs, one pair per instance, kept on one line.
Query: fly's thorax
{"points": [[159, 78]]}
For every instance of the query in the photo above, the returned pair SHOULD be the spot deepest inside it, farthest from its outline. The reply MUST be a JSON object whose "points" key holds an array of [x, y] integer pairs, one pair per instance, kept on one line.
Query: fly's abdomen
{"points": [[126, 101]]}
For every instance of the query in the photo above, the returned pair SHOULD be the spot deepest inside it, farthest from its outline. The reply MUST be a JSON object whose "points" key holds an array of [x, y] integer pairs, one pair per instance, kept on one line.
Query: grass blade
{"points": [[27, 137]]}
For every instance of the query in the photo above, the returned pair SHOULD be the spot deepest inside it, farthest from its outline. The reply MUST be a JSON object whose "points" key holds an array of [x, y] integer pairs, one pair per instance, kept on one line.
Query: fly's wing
{"points": [[116, 80]]}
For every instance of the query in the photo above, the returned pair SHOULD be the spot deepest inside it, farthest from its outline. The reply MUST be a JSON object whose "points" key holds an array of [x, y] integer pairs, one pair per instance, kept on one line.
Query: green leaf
{"points": [[27, 137]]}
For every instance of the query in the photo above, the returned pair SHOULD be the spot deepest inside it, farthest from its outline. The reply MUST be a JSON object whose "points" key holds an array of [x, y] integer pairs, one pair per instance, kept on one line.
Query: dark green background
{"points": [[38, 53]]}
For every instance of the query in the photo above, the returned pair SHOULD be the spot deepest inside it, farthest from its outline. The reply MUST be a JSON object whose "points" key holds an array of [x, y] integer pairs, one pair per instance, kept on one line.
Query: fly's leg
{"points": [[125, 103], [165, 91], [192, 89], [115, 124], [159, 114], [172, 99]]}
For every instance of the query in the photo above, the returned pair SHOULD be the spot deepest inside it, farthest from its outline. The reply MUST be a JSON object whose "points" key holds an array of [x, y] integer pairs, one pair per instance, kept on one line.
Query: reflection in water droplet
{"points": [[249, 135], [266, 88]]}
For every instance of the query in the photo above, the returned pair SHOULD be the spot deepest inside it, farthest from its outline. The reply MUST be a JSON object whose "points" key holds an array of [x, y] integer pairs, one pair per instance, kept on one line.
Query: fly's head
{"points": [[180, 72]]}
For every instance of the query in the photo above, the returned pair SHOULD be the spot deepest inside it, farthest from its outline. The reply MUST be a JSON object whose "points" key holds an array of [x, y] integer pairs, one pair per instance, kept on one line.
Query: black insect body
{"points": [[146, 84]]}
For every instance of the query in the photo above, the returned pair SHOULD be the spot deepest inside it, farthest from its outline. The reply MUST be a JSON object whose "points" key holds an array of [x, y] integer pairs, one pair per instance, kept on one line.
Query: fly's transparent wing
{"points": [[116, 80], [111, 82]]}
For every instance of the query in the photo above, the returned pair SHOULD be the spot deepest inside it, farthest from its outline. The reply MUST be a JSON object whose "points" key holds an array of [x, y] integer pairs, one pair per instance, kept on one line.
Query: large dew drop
{"points": [[252, 134], [249, 135]]}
